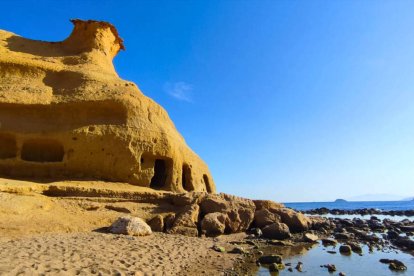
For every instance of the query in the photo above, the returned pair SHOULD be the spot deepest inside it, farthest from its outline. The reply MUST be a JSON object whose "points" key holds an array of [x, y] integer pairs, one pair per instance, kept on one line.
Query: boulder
{"points": [[268, 205], [214, 204], [394, 265], [186, 222], [297, 222], [309, 237], [264, 217], [404, 242], [156, 223], [270, 259], [320, 223], [345, 249], [133, 226], [329, 242], [213, 224], [355, 247], [276, 230], [239, 211]]}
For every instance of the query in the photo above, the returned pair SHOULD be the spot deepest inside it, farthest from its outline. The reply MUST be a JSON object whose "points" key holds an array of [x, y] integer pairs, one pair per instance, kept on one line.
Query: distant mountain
{"points": [[376, 197]]}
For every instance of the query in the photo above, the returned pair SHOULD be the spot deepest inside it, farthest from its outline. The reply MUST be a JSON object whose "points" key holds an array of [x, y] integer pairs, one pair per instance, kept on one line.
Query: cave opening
{"points": [[160, 174], [42, 150], [186, 178], [207, 182]]}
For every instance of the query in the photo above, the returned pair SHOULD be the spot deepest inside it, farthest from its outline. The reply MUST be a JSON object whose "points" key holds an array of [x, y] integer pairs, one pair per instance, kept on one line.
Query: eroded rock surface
{"points": [[65, 113]]}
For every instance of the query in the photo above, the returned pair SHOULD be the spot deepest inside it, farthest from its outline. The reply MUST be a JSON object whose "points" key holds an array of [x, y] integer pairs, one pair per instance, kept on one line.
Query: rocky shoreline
{"points": [[345, 236], [362, 212], [238, 236]]}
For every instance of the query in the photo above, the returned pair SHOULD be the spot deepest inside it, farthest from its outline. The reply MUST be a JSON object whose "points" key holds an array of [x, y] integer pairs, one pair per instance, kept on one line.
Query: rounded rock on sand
{"points": [[132, 226]]}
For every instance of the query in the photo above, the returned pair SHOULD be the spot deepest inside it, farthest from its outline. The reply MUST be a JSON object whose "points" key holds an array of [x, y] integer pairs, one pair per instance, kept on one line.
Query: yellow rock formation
{"points": [[65, 113]]}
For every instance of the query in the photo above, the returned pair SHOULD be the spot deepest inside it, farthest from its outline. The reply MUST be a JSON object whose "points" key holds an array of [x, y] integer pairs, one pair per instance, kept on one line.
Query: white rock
{"points": [[133, 226]]}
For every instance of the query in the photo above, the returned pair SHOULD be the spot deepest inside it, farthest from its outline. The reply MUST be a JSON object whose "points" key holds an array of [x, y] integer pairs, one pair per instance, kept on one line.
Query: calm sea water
{"points": [[351, 205]]}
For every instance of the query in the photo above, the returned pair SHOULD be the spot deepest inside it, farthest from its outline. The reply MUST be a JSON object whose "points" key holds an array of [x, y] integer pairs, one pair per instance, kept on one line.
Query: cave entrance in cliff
{"points": [[8, 146], [186, 178], [42, 150], [160, 174], [207, 182]]}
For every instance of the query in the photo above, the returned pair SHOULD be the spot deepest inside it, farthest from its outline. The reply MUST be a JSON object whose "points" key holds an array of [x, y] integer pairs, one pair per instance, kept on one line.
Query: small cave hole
{"points": [[42, 150], [186, 178], [160, 174], [207, 182]]}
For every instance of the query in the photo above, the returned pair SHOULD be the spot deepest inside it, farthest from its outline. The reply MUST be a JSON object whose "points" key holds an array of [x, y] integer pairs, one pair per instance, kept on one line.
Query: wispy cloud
{"points": [[180, 90]]}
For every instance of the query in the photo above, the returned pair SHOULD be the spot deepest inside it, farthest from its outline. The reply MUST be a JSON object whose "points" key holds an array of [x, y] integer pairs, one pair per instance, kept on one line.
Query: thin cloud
{"points": [[180, 90]]}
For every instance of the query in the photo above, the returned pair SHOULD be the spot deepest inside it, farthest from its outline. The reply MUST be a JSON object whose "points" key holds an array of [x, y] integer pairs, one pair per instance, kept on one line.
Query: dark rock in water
{"points": [[331, 252], [329, 242], [408, 228], [346, 222], [276, 230], [330, 267], [376, 225], [342, 236], [345, 249], [280, 243], [342, 274], [276, 267], [395, 265], [355, 247], [405, 242], [299, 266], [270, 259], [392, 235]]}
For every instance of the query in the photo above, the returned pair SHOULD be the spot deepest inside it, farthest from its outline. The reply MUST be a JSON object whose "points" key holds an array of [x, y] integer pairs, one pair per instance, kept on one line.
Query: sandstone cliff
{"points": [[65, 113]]}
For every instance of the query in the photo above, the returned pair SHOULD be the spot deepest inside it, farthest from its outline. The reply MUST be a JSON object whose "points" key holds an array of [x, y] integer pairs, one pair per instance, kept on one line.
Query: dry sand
{"points": [[56, 235], [107, 254]]}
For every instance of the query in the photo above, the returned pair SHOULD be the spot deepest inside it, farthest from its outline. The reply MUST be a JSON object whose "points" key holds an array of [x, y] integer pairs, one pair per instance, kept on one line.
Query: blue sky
{"points": [[285, 100]]}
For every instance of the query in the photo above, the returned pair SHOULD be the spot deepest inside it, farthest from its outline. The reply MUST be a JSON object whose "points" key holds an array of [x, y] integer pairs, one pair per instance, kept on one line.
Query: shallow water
{"points": [[312, 259]]}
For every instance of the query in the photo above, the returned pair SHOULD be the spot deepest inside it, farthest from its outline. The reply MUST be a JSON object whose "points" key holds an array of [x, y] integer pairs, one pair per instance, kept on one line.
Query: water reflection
{"points": [[316, 255]]}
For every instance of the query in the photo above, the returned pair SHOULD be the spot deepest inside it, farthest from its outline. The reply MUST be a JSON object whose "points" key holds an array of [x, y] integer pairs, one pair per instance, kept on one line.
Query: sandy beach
{"points": [[106, 254]]}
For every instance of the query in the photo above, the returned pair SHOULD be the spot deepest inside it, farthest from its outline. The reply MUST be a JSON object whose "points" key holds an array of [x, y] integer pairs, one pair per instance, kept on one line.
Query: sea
{"points": [[352, 205]]}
